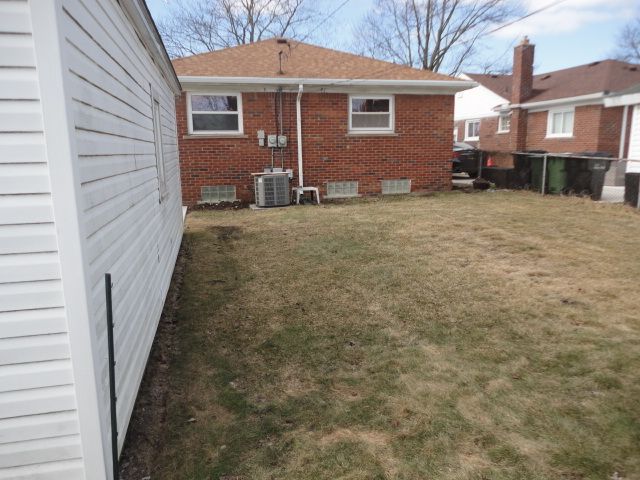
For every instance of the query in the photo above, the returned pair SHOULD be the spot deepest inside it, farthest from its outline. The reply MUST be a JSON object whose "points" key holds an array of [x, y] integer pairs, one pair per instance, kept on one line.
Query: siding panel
{"points": [[39, 437]]}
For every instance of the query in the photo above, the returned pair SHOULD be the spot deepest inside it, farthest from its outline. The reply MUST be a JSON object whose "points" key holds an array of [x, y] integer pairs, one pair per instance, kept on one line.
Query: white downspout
{"points": [[299, 126]]}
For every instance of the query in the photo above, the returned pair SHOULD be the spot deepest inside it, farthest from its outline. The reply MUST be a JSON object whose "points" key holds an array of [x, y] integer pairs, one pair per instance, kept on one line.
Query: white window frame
{"points": [[501, 128], [554, 111], [392, 114], [156, 118], [190, 113], [466, 130], [455, 133]]}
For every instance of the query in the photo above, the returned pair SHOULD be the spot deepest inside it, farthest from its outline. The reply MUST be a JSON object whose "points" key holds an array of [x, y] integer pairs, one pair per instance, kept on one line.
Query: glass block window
{"points": [[342, 189], [395, 187], [219, 193]]}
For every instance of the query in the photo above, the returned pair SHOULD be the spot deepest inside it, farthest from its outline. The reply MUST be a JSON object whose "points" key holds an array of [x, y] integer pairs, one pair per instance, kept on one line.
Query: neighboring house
{"points": [[629, 100], [366, 126], [89, 184], [560, 111]]}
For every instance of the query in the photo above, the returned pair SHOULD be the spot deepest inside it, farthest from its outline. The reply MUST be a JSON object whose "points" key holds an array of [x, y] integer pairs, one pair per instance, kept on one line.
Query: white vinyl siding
{"points": [[39, 427], [560, 123], [634, 141], [129, 233]]}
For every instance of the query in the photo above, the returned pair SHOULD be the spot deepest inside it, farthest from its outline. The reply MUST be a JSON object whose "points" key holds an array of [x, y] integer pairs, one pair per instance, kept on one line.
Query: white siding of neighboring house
{"points": [[476, 103], [75, 94], [129, 233], [39, 429], [634, 141]]}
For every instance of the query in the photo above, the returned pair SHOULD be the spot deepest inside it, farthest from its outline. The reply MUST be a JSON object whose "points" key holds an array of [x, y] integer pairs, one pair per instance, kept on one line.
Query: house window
{"points": [[472, 130], [342, 189], [504, 123], [372, 114], [218, 193], [395, 187], [560, 123], [215, 114], [159, 147], [455, 134]]}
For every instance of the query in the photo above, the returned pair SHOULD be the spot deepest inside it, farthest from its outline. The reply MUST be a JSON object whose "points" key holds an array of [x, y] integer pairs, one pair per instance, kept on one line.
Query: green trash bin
{"points": [[556, 175]]}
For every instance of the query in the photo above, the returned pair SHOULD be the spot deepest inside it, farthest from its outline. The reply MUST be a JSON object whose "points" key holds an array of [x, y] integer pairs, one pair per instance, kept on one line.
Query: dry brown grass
{"points": [[452, 337]]}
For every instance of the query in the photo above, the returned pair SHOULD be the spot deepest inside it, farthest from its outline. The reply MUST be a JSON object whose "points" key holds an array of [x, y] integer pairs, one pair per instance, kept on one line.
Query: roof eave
{"points": [[329, 84]]}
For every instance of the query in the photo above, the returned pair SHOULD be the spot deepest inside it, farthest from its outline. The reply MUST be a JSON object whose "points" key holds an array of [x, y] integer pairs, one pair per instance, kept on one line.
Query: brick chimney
{"points": [[522, 79], [521, 89]]}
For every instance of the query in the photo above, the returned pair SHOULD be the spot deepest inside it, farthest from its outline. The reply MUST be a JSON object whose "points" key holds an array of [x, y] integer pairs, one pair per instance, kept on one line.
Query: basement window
{"points": [[214, 114], [472, 130], [504, 123], [396, 187], [560, 123], [371, 114], [342, 189], [218, 193]]}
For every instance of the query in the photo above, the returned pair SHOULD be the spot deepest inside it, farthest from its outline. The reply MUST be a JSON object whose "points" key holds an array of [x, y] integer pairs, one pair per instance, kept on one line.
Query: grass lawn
{"points": [[459, 336]]}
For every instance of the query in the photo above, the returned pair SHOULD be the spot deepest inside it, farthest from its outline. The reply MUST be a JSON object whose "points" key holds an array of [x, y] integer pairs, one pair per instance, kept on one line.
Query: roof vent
{"points": [[494, 76], [548, 75], [593, 64], [633, 69], [281, 40]]}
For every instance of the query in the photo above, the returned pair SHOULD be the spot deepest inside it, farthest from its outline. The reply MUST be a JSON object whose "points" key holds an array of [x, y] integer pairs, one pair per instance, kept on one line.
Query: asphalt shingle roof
{"points": [[299, 60], [603, 76]]}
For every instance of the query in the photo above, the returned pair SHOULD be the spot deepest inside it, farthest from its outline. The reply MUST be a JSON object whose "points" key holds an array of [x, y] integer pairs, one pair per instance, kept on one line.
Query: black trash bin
{"points": [[522, 168], [598, 169], [501, 177], [631, 187]]}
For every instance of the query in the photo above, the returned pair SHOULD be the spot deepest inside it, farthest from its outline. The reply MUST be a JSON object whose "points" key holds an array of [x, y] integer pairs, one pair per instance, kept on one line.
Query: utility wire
{"points": [[505, 25]]}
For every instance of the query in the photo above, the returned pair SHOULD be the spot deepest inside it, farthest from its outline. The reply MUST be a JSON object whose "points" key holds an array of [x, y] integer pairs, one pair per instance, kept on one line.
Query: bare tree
{"points": [[198, 26], [439, 35], [629, 42]]}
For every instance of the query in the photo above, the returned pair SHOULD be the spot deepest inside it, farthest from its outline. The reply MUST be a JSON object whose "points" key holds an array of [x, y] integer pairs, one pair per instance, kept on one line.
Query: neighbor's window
{"points": [[342, 189], [455, 134], [218, 193], [560, 123], [472, 130], [395, 187], [215, 114], [371, 113], [504, 123]]}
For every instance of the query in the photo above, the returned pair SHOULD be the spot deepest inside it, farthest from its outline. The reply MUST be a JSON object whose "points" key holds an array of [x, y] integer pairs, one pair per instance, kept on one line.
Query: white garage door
{"points": [[634, 141]]}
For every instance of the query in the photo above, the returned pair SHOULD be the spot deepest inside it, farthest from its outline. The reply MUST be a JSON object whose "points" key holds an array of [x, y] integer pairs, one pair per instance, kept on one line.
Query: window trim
{"points": [[373, 130], [466, 130], [190, 113], [500, 117], [554, 111], [156, 119]]}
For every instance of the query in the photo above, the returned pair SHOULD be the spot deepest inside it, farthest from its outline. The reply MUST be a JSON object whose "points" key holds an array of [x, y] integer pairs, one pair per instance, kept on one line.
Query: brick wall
{"points": [[420, 149], [595, 128]]}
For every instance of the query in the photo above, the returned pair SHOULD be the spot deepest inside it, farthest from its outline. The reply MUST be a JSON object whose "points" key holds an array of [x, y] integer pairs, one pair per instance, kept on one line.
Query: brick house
{"points": [[559, 111], [366, 126]]}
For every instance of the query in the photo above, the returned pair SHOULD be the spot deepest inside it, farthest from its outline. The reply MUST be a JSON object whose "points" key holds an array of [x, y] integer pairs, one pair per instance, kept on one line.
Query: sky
{"points": [[571, 32]]}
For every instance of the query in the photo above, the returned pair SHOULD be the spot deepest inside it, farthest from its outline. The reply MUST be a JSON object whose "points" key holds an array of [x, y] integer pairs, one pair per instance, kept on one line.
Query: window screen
{"points": [[215, 113], [374, 113]]}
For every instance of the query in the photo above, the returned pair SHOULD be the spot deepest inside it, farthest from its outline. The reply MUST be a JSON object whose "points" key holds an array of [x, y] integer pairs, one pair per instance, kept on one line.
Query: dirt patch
{"points": [[149, 414], [237, 205], [226, 233]]}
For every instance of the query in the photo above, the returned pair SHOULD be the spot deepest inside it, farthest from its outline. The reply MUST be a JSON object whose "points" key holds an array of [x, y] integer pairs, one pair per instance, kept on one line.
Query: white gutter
{"points": [[592, 98], [329, 82], [299, 128], [623, 100]]}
